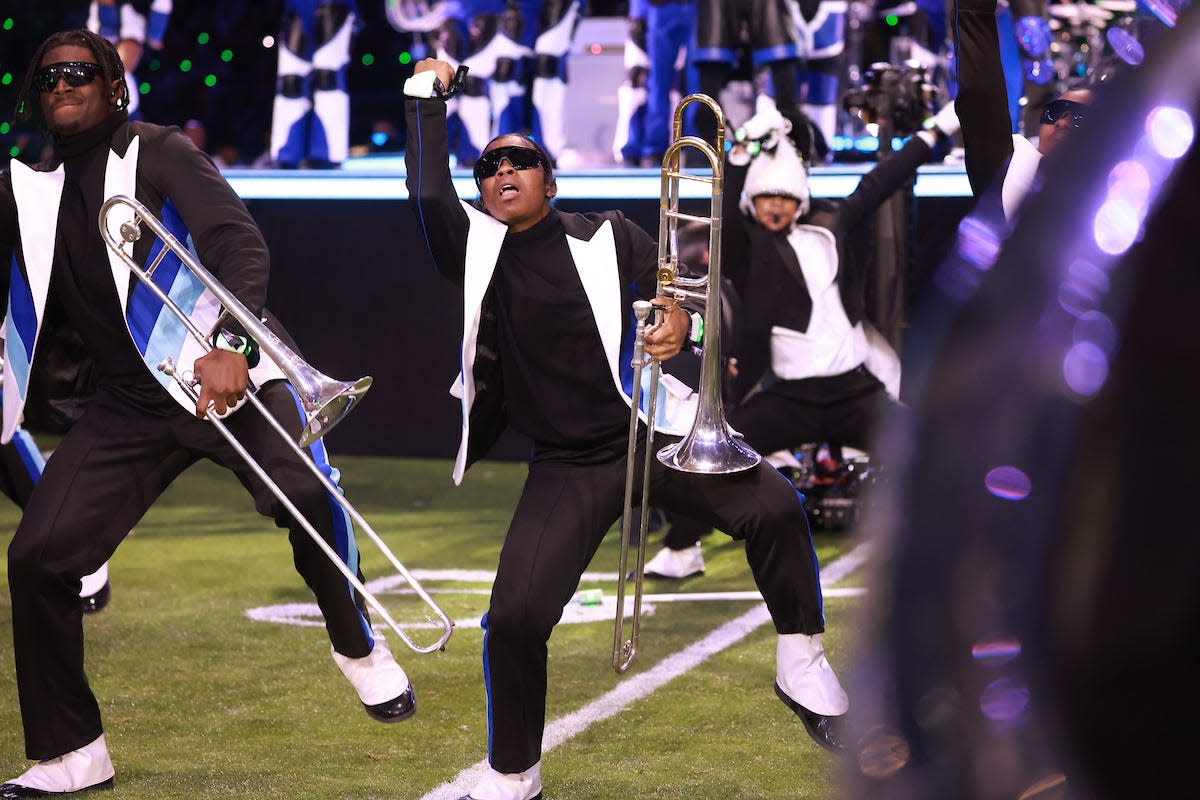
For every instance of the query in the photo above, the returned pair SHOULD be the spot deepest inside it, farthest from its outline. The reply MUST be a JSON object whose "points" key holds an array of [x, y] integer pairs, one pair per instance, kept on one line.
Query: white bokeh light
{"points": [[1116, 226], [1129, 182], [1085, 368], [1171, 131]]}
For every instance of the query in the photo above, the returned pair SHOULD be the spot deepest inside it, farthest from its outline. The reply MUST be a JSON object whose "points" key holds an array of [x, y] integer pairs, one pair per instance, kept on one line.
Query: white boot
{"points": [[675, 564], [86, 768], [381, 684], [494, 785], [804, 675]]}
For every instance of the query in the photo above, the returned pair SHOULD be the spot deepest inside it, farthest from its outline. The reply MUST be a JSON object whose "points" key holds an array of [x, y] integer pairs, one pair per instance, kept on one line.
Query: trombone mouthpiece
{"points": [[642, 309]]}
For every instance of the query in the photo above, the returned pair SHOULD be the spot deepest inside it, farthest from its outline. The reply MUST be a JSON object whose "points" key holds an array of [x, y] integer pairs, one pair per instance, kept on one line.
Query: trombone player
{"points": [[139, 430], [547, 325]]}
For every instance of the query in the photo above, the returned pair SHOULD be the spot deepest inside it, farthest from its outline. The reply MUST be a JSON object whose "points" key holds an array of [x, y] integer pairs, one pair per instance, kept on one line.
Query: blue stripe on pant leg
{"points": [[343, 529]]}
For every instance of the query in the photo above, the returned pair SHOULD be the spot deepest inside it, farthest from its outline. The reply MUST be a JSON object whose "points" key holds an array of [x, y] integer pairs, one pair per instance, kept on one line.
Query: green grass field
{"points": [[199, 700]]}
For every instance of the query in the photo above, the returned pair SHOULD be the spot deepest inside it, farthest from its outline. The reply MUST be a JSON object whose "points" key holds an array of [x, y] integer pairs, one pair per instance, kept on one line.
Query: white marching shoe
{"points": [[382, 685], [806, 683], [88, 768], [675, 564], [495, 785], [95, 590]]}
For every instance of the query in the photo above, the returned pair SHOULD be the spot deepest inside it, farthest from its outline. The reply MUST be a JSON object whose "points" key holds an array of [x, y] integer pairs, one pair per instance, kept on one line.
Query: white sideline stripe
{"points": [[635, 688]]}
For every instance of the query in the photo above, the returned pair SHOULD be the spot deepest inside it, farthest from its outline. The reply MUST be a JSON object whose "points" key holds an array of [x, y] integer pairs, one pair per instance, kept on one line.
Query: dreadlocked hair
{"points": [[111, 68]]}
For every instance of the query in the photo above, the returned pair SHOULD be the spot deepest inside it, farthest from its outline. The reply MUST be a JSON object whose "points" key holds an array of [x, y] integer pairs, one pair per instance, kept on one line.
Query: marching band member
{"points": [[821, 29], [139, 430], [310, 123], [547, 314], [631, 95], [132, 32], [811, 367], [670, 28], [992, 150], [772, 44]]}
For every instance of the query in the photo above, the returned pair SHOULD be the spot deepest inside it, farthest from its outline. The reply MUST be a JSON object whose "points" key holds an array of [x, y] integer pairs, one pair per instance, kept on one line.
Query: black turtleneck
{"points": [[558, 388], [83, 295]]}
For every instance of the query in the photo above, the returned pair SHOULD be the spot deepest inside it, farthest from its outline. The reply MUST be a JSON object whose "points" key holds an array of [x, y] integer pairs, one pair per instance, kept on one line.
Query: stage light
{"points": [[6, 79], [268, 41], [892, 20], [155, 65], [227, 55], [185, 65], [1171, 131], [144, 88], [4, 128], [14, 151], [367, 59], [405, 57], [8, 23], [202, 37], [210, 80]]}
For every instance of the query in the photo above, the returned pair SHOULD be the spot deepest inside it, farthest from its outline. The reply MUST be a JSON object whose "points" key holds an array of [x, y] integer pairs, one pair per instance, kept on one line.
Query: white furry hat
{"points": [[779, 172]]}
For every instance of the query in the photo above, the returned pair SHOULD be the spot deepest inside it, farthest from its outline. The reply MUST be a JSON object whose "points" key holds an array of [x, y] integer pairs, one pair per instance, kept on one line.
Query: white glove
{"points": [[767, 122], [945, 120]]}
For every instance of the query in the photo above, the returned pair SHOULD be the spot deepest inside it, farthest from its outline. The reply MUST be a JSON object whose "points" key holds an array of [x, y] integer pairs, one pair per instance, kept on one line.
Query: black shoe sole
{"points": [[809, 718], [395, 710], [14, 791]]}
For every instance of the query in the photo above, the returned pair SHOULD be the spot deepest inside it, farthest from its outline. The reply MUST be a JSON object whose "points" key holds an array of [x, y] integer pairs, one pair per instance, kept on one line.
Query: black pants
{"points": [[108, 470], [567, 505], [841, 408]]}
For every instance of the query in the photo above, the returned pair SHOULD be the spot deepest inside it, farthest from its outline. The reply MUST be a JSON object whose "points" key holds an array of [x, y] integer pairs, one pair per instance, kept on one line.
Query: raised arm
{"points": [[982, 101], [434, 201]]}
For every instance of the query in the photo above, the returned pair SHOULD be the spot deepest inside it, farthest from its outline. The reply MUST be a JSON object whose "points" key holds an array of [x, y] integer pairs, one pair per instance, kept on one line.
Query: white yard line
{"points": [[644, 683]]}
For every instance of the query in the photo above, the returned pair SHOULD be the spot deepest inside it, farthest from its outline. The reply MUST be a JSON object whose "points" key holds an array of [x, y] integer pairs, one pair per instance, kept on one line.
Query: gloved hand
{"points": [[765, 127], [945, 121]]}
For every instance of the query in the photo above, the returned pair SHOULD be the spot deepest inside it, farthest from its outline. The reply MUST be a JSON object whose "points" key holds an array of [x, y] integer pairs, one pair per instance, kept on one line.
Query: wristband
{"points": [[242, 345], [696, 331]]}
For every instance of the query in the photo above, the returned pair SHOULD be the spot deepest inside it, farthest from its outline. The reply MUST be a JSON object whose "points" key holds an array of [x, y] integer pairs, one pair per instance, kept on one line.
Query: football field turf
{"points": [[215, 679]]}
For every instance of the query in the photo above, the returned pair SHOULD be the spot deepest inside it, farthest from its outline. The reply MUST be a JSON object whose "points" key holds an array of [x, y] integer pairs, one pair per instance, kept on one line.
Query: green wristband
{"points": [[233, 343], [696, 334]]}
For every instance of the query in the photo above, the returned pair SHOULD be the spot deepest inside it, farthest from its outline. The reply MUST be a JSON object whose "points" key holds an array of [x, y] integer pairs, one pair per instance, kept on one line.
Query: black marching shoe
{"points": [[825, 731], [93, 603], [397, 709], [11, 791]]}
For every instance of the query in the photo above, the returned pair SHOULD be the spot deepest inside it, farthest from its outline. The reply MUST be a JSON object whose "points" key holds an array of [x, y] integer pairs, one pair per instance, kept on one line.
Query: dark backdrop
{"points": [[357, 289]]}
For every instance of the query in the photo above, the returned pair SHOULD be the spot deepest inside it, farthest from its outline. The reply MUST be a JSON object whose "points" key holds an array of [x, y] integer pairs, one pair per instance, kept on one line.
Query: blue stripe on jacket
{"points": [[21, 329]]}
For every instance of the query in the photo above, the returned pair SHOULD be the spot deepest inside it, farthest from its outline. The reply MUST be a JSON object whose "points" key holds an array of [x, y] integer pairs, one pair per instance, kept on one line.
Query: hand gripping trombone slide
{"points": [[326, 401], [710, 446]]}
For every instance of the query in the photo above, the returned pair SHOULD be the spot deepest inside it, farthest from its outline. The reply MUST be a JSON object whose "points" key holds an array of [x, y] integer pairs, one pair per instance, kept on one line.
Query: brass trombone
{"points": [[709, 447], [326, 401]]}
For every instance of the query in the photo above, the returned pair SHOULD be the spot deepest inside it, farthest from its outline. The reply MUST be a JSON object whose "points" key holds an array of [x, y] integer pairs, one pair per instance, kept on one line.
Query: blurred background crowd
{"points": [[583, 75]]}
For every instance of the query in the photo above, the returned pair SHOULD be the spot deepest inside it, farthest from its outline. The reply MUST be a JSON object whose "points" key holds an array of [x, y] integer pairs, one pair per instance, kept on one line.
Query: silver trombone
{"points": [[710, 446], [325, 401]]}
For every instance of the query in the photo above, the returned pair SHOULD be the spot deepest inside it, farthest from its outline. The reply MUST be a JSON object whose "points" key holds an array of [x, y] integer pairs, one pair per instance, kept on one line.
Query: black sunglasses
{"points": [[1055, 110], [75, 73], [520, 158]]}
